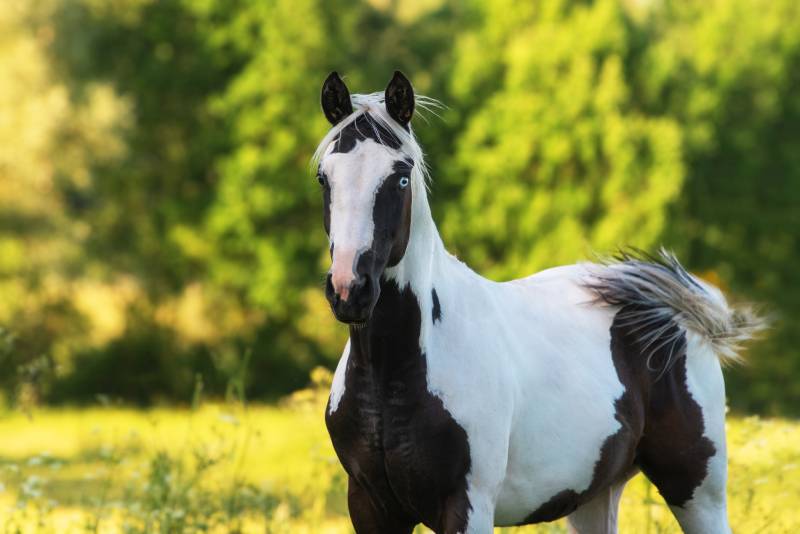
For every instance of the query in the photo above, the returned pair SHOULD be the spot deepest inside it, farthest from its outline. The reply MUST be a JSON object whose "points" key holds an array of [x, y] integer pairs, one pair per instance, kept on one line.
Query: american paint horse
{"points": [[463, 403]]}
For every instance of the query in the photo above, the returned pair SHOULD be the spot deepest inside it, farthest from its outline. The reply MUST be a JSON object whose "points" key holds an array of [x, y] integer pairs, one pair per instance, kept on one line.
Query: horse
{"points": [[462, 403]]}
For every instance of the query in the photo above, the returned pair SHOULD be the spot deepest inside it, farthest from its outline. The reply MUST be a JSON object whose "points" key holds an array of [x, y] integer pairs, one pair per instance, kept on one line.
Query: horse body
{"points": [[525, 368], [462, 403], [501, 402]]}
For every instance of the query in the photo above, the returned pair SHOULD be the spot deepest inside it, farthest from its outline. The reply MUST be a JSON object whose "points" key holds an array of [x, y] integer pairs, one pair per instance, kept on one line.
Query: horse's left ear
{"points": [[399, 96]]}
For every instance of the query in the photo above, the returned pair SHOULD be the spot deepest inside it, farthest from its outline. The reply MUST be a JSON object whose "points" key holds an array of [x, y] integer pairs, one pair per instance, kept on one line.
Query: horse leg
{"points": [[598, 516], [475, 518], [706, 511], [683, 449], [369, 517]]}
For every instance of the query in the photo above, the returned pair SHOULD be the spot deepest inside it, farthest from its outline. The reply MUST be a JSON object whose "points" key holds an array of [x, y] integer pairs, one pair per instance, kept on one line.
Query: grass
{"points": [[229, 467]]}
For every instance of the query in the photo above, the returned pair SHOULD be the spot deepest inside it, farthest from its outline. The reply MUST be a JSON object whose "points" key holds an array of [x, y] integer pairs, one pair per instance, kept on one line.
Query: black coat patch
{"points": [[391, 216], [326, 205], [364, 127], [661, 429], [406, 456], [673, 452], [436, 313]]}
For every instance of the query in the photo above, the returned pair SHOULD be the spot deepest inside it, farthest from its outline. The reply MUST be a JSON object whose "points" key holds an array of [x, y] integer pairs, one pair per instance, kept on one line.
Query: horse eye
{"points": [[403, 183], [322, 180]]}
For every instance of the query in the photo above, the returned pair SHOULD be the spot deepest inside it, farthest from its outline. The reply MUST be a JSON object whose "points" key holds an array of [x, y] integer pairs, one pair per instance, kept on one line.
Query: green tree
{"points": [[213, 204], [49, 142], [159, 217], [729, 72], [558, 156]]}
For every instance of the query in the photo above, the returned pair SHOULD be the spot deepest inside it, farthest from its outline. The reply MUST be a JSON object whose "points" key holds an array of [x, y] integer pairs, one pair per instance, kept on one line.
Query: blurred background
{"points": [[161, 233], [158, 219]]}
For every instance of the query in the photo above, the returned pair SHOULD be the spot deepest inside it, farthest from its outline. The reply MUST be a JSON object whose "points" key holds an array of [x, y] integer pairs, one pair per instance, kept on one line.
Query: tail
{"points": [[661, 294]]}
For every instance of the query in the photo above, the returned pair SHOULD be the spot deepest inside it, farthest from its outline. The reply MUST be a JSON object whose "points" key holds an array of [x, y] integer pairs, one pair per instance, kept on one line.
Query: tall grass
{"points": [[236, 468]]}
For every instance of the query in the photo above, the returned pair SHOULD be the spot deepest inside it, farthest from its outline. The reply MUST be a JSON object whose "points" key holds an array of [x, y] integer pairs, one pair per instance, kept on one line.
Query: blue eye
{"points": [[403, 183]]}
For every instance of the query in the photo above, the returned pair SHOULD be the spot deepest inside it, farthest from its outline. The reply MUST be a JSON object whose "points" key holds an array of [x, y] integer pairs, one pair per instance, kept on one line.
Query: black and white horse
{"points": [[463, 403]]}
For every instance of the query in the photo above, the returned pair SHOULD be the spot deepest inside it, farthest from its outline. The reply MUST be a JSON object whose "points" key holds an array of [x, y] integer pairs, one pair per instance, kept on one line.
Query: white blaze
{"points": [[354, 178]]}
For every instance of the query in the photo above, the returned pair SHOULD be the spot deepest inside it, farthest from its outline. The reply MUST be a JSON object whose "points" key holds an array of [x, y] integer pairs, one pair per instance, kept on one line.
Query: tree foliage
{"points": [[560, 157], [159, 218]]}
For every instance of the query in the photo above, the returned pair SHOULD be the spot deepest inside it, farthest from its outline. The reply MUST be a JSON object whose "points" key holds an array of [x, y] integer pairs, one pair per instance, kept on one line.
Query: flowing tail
{"points": [[659, 293]]}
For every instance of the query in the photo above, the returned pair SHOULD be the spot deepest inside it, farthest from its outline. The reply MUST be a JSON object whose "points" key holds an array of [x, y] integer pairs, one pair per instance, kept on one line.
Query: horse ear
{"points": [[399, 96], [335, 99]]}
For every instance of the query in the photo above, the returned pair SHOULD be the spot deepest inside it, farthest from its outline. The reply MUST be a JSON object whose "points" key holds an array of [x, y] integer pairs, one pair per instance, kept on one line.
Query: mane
{"points": [[373, 106]]}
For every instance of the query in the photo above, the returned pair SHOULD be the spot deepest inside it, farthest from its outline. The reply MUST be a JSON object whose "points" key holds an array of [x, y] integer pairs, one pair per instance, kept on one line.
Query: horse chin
{"points": [[355, 325], [350, 317]]}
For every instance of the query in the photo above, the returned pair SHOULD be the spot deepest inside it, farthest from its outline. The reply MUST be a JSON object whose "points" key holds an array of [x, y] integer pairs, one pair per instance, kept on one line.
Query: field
{"points": [[232, 467]]}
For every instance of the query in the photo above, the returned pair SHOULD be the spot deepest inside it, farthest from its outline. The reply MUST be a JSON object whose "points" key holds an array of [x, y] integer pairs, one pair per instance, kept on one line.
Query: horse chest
{"points": [[397, 439], [375, 416]]}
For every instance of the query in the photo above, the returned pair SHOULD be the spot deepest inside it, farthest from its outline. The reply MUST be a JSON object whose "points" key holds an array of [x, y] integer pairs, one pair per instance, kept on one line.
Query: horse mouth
{"points": [[358, 322]]}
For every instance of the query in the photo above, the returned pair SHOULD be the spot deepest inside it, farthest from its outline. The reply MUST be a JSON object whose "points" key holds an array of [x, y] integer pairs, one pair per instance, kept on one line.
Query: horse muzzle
{"points": [[353, 304]]}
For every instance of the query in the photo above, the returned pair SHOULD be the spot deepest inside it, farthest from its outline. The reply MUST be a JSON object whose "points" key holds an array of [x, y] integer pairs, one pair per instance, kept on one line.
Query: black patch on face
{"points": [[661, 429], [326, 206], [403, 167], [392, 216], [436, 313], [364, 127], [406, 456]]}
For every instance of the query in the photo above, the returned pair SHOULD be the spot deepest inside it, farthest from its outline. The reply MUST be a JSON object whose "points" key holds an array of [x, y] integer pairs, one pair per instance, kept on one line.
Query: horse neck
{"points": [[424, 252]]}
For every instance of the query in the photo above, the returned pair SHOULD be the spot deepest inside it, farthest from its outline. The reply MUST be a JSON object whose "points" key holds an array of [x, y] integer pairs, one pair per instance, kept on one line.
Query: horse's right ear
{"points": [[335, 99]]}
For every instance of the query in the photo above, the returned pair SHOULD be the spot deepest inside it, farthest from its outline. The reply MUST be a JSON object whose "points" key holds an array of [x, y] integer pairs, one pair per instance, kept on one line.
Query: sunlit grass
{"points": [[229, 467]]}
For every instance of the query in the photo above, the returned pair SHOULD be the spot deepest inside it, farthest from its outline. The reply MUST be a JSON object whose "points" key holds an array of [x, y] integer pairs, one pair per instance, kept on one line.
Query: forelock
{"points": [[364, 127], [370, 120]]}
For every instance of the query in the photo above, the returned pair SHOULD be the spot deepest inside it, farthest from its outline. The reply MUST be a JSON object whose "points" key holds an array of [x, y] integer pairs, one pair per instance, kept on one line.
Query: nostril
{"points": [[363, 289], [359, 282]]}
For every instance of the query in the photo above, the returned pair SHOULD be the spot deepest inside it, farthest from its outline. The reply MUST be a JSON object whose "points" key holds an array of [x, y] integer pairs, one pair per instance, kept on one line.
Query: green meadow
{"points": [[237, 468]]}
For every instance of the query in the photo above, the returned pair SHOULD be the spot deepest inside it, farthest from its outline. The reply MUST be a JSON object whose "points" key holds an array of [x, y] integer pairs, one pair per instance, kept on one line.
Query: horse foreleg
{"points": [[371, 517]]}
